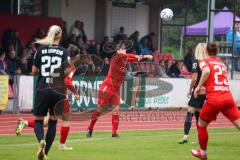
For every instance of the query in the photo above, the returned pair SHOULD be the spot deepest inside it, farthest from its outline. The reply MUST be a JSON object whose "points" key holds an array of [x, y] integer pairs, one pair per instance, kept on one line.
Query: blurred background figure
{"points": [[142, 47], [105, 67], [134, 38], [236, 33], [189, 58]]}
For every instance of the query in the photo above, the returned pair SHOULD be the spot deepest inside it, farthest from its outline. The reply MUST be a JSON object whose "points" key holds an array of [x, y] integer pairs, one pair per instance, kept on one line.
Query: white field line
{"points": [[4, 146]]}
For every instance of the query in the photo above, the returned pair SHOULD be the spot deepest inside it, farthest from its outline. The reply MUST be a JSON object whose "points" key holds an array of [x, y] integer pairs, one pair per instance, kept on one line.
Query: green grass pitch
{"points": [[224, 144]]}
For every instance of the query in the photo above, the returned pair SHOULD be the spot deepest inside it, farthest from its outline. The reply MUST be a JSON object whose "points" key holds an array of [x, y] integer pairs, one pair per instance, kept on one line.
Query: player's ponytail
{"points": [[201, 51], [54, 33], [212, 48]]}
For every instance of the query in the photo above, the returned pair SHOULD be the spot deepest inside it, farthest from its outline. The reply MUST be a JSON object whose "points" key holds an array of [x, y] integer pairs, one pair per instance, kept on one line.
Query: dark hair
{"points": [[121, 28], [120, 46], [212, 48], [1, 52], [76, 22]]}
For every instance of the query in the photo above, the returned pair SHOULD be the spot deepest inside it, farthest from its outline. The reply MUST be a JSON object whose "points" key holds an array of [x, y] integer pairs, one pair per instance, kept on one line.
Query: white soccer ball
{"points": [[166, 14]]}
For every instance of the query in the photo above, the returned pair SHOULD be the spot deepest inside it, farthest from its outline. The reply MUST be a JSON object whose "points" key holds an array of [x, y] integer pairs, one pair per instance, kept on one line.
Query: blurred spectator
{"points": [[6, 39], [230, 33], [174, 70], [94, 49], [120, 35], [3, 63], [142, 47], [83, 34], [17, 43], [41, 33], [161, 69], [97, 49], [78, 30], [150, 39], [189, 58], [75, 29], [4, 69], [105, 67], [64, 35], [71, 40], [11, 37], [134, 38], [22, 65], [103, 52], [91, 69], [11, 60], [87, 67], [79, 42], [31, 48], [152, 70]]}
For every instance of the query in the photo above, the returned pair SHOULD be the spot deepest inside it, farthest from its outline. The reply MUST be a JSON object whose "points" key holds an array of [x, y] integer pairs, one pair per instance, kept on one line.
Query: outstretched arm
{"points": [[134, 58]]}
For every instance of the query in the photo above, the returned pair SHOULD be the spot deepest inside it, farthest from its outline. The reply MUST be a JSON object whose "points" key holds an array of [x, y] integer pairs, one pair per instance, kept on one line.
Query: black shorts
{"points": [[196, 102], [45, 101]]}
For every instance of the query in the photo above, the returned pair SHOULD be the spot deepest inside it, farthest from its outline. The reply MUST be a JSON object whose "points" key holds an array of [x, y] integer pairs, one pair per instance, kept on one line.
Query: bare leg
{"points": [[237, 124]]}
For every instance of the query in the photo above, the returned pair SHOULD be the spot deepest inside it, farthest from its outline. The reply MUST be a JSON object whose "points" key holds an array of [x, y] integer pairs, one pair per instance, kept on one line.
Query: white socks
{"points": [[203, 152], [185, 136], [26, 123]]}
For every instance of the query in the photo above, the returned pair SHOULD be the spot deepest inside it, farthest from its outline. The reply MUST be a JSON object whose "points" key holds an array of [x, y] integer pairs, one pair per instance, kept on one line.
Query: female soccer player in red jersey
{"points": [[108, 95], [218, 97]]}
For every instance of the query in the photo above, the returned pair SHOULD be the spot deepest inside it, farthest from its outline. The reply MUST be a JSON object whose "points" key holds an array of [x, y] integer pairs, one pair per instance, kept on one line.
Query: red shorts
{"points": [[108, 96], [213, 106]]}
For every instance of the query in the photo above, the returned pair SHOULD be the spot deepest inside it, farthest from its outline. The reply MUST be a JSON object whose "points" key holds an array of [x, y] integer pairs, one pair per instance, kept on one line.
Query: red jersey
{"points": [[217, 82], [68, 80], [118, 69]]}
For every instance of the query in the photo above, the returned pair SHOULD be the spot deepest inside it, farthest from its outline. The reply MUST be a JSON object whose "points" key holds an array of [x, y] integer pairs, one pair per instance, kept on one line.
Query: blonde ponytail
{"points": [[54, 32], [201, 51]]}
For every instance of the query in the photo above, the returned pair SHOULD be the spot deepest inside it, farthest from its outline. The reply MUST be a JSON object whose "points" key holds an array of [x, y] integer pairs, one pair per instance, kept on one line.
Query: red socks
{"points": [[94, 118], [203, 137], [30, 123], [115, 122], [64, 134]]}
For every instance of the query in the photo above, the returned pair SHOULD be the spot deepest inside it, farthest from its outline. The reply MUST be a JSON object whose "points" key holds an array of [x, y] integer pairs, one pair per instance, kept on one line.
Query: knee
{"points": [[202, 123], [115, 112], [53, 118], [39, 118], [66, 123], [191, 110], [237, 124]]}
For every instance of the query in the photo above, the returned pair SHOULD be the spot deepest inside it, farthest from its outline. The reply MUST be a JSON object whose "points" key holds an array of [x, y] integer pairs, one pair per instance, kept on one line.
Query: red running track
{"points": [[129, 120]]}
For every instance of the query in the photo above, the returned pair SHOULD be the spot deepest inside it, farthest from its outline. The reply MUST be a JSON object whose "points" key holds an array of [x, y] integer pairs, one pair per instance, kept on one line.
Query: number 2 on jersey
{"points": [[220, 75], [50, 65]]}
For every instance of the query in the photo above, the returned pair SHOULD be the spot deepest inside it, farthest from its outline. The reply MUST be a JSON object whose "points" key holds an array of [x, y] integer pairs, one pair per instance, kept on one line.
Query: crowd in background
{"points": [[15, 58]]}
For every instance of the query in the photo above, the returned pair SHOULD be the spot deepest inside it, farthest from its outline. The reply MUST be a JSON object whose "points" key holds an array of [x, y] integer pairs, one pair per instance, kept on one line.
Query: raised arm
{"points": [[134, 58]]}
